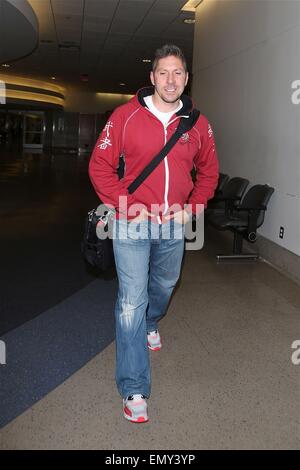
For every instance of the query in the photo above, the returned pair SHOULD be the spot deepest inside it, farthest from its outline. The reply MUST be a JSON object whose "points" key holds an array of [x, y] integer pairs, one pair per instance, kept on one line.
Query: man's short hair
{"points": [[166, 51]]}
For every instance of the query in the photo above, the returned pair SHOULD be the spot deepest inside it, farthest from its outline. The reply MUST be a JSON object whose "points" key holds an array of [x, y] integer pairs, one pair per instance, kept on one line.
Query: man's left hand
{"points": [[181, 217]]}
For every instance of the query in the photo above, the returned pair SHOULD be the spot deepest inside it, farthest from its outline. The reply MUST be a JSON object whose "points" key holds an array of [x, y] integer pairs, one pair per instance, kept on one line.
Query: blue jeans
{"points": [[148, 263]]}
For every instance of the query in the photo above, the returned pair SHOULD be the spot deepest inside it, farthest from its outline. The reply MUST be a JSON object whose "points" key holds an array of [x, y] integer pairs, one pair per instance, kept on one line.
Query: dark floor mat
{"points": [[44, 352]]}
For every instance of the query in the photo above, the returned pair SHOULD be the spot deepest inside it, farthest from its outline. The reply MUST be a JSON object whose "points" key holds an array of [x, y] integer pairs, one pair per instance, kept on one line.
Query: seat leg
{"points": [[237, 250], [254, 256], [237, 243]]}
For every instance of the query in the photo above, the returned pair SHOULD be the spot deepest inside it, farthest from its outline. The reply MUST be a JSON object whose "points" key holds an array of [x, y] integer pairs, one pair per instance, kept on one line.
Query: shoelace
{"points": [[152, 333], [136, 397]]}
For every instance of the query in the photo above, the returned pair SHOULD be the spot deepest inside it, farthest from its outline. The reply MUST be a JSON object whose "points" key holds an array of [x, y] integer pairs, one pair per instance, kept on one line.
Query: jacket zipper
{"points": [[167, 179]]}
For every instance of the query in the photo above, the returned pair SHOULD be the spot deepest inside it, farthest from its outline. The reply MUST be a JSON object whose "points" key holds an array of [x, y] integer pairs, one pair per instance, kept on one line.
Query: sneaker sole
{"points": [[154, 349], [136, 421]]}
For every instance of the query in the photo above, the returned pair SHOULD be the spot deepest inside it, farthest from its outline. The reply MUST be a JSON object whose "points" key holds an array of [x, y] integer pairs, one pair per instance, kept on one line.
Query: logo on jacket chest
{"points": [[184, 138]]}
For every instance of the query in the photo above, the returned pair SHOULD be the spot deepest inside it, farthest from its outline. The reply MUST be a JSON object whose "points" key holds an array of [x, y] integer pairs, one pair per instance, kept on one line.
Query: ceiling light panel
{"points": [[191, 5]]}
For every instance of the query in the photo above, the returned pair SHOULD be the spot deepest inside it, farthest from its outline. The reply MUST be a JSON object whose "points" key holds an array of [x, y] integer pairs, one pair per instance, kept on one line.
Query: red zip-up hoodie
{"points": [[133, 131]]}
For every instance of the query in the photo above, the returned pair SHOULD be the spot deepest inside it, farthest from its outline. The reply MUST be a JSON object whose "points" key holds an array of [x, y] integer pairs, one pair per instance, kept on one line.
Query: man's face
{"points": [[169, 79]]}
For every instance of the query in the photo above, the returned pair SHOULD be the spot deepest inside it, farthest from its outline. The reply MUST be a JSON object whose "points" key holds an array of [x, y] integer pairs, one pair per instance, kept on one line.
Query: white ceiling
{"points": [[105, 39]]}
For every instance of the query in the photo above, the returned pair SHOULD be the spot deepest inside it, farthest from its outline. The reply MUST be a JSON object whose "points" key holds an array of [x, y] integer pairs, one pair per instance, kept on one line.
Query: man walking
{"points": [[149, 226]]}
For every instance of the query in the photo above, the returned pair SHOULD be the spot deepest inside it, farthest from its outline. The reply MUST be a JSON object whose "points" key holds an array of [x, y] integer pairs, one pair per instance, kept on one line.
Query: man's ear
{"points": [[152, 77], [186, 78]]}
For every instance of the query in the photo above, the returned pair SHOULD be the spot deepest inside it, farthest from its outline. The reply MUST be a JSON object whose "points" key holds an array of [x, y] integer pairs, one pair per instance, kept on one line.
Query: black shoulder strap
{"points": [[185, 125]]}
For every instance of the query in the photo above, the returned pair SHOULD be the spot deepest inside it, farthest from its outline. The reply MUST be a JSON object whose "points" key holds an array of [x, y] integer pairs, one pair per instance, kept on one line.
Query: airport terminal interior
{"points": [[228, 373]]}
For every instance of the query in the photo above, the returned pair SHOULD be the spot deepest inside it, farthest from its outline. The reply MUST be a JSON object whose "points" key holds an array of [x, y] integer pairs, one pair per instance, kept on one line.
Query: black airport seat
{"points": [[244, 220], [223, 179], [230, 198]]}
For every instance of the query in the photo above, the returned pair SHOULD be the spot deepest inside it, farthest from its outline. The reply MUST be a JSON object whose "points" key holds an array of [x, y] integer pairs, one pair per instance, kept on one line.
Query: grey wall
{"points": [[246, 57]]}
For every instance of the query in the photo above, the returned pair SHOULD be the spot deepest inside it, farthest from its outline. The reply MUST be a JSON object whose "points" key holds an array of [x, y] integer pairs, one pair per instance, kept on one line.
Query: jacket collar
{"points": [[147, 91]]}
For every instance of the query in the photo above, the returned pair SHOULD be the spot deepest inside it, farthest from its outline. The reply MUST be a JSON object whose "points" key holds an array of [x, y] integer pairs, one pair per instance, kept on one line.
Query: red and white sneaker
{"points": [[135, 409], [154, 340]]}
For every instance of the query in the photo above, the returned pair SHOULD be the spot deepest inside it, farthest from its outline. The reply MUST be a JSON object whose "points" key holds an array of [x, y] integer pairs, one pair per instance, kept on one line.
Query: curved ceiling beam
{"points": [[18, 30]]}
